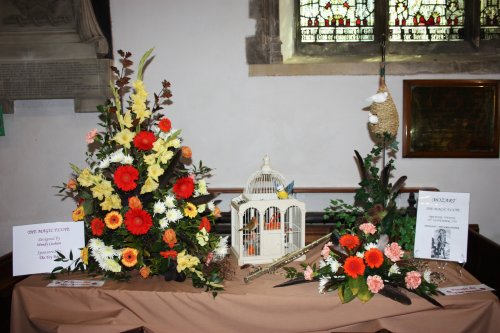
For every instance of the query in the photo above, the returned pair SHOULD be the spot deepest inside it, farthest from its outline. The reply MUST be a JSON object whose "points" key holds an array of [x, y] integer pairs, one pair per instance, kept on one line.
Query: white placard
{"points": [[76, 283], [442, 226], [467, 289], [35, 245]]}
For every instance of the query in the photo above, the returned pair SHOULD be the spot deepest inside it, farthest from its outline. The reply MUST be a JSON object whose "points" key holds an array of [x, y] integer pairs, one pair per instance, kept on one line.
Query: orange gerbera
{"points": [[129, 256], [354, 267], [145, 271], [134, 203], [113, 220], [349, 241], [374, 258]]}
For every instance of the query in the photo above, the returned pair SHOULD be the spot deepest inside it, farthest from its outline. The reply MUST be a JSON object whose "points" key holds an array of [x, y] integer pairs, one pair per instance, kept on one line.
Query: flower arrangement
{"points": [[146, 208]]}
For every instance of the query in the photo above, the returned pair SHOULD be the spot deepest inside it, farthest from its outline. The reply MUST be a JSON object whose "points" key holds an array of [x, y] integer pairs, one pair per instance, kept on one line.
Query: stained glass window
{"points": [[490, 19], [336, 21], [426, 20]]}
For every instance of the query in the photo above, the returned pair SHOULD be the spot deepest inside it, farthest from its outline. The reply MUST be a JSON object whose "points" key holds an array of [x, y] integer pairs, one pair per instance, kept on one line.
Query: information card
{"points": [[442, 226], [35, 245]]}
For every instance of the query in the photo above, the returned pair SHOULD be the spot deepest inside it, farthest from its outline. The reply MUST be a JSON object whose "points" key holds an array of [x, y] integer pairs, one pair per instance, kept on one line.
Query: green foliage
{"points": [[403, 231]]}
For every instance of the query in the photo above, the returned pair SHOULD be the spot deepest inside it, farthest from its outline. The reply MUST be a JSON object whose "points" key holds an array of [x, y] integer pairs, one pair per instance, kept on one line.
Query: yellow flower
{"points": [[113, 220], [202, 187], [141, 112], [111, 202], [84, 255], [78, 214], [166, 156], [155, 171], [101, 190], [126, 120], [86, 178], [129, 256], [202, 237], [124, 137], [186, 261], [150, 159], [190, 210], [149, 186]]}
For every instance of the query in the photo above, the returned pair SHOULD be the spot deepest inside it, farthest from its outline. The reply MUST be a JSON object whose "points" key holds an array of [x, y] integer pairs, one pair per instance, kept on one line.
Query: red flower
{"points": [[354, 267], [374, 258], [144, 140], [349, 241], [125, 177], [205, 223], [169, 254], [184, 187], [165, 125], [97, 226], [138, 221]]}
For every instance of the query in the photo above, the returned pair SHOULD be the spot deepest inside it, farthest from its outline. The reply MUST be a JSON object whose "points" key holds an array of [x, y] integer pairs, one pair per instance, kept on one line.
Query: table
{"points": [[161, 306]]}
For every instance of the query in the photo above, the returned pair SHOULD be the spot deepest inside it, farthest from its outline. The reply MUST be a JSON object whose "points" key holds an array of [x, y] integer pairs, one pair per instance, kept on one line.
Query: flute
{"points": [[286, 259]]}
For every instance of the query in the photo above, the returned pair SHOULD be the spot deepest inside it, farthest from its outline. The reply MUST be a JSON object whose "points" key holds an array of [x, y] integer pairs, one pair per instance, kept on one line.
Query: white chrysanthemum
{"points": [[394, 269], [169, 201], [155, 129], [127, 159], [202, 187], [111, 265], [95, 243], [370, 246], [201, 208], [211, 206], [427, 275], [322, 283], [173, 215], [117, 156], [335, 265], [222, 249], [163, 223], [360, 254], [109, 252], [104, 163], [159, 207]]}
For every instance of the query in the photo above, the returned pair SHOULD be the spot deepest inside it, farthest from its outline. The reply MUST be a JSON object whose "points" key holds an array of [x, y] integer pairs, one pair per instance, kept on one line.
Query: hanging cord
{"points": [[382, 85]]}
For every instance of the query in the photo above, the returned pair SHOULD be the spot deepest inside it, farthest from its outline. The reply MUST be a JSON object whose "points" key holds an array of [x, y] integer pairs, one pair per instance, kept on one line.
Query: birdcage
{"points": [[263, 226]]}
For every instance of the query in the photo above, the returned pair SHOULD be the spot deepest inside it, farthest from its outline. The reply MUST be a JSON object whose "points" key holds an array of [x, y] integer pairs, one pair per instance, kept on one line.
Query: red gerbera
{"points": [[205, 223], [165, 125], [144, 140], [349, 241], [354, 267], [138, 221], [169, 254], [125, 177], [184, 187], [374, 258], [97, 226]]}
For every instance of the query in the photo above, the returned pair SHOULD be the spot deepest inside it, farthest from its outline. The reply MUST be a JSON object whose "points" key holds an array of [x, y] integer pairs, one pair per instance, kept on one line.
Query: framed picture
{"points": [[450, 118]]}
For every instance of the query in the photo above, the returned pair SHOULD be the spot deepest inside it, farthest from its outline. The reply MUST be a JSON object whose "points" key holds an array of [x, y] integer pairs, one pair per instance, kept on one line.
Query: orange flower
{"points": [[113, 220], [78, 214], [145, 271], [71, 185], [349, 241], [354, 267], [205, 223], [217, 212], [169, 254], [186, 152], [129, 256], [170, 237], [374, 258], [134, 203]]}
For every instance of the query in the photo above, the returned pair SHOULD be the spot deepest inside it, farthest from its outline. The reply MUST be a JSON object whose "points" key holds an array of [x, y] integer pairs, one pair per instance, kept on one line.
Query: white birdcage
{"points": [[264, 227]]}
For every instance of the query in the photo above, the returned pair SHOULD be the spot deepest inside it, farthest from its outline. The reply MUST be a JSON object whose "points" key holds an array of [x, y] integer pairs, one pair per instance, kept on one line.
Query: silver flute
{"points": [[286, 259]]}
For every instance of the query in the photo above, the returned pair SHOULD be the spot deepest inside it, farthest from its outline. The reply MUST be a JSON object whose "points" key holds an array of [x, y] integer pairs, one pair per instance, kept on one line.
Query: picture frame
{"points": [[450, 118]]}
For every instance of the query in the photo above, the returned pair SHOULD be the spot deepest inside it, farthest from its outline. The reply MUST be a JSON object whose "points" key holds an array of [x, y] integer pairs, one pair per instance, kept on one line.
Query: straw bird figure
{"points": [[385, 112]]}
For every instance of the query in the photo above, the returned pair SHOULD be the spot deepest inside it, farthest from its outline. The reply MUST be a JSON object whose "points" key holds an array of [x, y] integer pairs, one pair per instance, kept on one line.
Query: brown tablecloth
{"points": [[160, 306]]}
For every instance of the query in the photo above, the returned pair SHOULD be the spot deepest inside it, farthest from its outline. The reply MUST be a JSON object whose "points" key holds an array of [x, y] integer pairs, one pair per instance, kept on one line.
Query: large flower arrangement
{"points": [[145, 207]]}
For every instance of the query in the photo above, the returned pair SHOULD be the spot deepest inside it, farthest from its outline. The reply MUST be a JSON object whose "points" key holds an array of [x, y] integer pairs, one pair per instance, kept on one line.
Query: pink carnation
{"points": [[375, 283], [325, 253], [413, 279], [308, 273], [393, 251], [368, 228], [91, 136]]}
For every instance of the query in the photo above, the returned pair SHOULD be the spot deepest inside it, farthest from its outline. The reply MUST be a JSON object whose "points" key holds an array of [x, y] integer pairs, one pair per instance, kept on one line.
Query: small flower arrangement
{"points": [[146, 208]]}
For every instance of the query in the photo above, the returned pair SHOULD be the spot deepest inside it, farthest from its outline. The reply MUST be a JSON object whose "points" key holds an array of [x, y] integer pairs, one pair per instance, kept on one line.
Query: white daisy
{"points": [[335, 265], [127, 159], [394, 269], [104, 163], [159, 207], [117, 156], [169, 201], [173, 215]]}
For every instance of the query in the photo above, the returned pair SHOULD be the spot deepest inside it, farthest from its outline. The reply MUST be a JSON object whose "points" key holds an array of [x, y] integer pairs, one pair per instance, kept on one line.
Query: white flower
{"points": [[202, 187], [360, 254], [211, 206], [127, 159], [394, 269], [159, 207], [170, 201], [163, 223], [173, 215], [95, 243], [202, 237], [104, 163], [322, 283], [370, 246], [334, 266], [155, 129], [111, 265], [221, 251], [427, 275], [201, 208], [117, 156]]}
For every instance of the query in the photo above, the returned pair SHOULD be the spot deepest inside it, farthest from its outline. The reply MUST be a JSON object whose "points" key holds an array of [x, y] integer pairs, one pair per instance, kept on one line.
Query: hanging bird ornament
{"points": [[383, 118], [284, 192]]}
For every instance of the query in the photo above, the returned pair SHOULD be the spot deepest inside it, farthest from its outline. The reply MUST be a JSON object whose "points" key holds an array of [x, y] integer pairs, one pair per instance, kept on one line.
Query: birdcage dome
{"points": [[262, 184]]}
